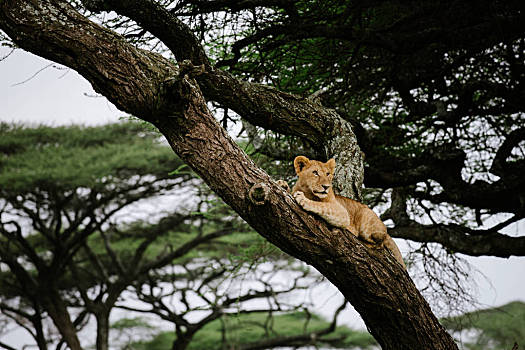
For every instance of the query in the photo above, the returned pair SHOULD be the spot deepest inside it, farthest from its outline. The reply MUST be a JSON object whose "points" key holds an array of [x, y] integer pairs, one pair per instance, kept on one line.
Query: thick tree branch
{"points": [[456, 238], [498, 196], [162, 23], [200, 141], [242, 97], [69, 38], [444, 164]]}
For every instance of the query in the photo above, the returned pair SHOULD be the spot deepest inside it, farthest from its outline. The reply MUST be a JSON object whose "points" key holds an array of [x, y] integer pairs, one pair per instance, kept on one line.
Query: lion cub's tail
{"points": [[392, 246]]}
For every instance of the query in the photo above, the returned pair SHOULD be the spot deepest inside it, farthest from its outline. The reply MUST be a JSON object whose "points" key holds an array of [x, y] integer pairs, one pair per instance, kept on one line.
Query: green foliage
{"points": [[248, 328], [127, 323], [71, 157], [499, 327], [67, 177], [240, 245]]}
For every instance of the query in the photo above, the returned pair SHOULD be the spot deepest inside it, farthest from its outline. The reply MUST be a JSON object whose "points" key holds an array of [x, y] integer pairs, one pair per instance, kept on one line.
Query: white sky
{"points": [[54, 96], [58, 97]]}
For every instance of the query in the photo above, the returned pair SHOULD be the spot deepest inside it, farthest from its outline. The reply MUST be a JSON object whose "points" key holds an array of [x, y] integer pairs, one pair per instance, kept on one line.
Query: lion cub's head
{"points": [[315, 177]]}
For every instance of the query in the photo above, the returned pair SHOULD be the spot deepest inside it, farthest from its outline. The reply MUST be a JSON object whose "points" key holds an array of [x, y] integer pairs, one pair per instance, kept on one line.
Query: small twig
{"points": [[7, 55], [34, 75]]}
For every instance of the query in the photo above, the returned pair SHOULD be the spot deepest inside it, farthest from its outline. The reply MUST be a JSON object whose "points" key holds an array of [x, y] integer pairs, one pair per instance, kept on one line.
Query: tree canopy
{"points": [[422, 101], [434, 91], [60, 188], [494, 328]]}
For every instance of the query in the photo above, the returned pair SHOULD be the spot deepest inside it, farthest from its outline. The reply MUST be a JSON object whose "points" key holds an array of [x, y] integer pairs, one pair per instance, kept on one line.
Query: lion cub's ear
{"points": [[300, 163], [331, 164]]}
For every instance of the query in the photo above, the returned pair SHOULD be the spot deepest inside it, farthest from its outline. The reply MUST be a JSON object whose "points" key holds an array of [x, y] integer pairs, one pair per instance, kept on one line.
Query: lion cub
{"points": [[313, 192]]}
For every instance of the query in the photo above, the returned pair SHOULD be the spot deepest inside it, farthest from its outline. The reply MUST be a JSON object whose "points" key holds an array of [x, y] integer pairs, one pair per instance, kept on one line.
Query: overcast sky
{"points": [[60, 97], [55, 95]]}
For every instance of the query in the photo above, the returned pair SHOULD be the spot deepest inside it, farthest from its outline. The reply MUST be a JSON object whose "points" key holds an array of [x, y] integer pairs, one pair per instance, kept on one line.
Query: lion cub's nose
{"points": [[326, 187]]}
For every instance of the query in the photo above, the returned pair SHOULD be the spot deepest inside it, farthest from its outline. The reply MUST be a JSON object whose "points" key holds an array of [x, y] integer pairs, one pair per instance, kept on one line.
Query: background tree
{"points": [[492, 328], [52, 202], [77, 242], [417, 97]]}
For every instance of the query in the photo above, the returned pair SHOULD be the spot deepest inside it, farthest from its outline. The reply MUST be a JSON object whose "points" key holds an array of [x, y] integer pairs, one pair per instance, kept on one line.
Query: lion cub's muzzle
{"points": [[323, 193]]}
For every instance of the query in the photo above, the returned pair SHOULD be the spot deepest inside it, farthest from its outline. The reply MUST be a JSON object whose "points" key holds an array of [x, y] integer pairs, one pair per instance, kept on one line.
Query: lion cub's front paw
{"points": [[283, 184], [299, 198]]}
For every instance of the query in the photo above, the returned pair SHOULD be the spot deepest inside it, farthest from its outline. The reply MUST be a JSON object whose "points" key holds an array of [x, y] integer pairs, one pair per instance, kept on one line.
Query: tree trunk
{"points": [[102, 331], [181, 342], [39, 332], [58, 312], [137, 82]]}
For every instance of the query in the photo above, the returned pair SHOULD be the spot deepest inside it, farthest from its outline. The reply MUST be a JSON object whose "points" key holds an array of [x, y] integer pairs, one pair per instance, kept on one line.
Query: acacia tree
{"points": [[373, 55], [52, 204]]}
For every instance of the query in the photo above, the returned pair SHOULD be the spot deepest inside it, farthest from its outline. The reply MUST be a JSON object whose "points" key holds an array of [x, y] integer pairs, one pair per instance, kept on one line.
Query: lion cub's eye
{"points": [[327, 174], [315, 173]]}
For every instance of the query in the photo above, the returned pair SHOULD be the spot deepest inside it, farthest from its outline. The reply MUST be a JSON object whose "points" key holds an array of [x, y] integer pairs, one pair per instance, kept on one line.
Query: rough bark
{"points": [[136, 81], [442, 163]]}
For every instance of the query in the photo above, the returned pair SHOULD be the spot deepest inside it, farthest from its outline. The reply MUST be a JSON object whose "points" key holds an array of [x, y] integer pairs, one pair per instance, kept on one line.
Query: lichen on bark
{"points": [[341, 144]]}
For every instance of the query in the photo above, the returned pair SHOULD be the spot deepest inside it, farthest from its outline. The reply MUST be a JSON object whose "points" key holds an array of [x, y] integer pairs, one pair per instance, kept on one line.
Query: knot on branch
{"points": [[258, 194], [182, 90], [186, 68]]}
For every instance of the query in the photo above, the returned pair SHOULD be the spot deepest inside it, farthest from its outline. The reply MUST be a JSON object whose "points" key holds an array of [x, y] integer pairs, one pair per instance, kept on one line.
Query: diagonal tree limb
{"points": [[155, 18], [292, 116], [5, 346]]}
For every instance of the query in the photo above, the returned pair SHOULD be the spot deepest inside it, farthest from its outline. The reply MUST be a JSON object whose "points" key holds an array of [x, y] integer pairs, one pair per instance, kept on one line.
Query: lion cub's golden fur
{"points": [[313, 192]]}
